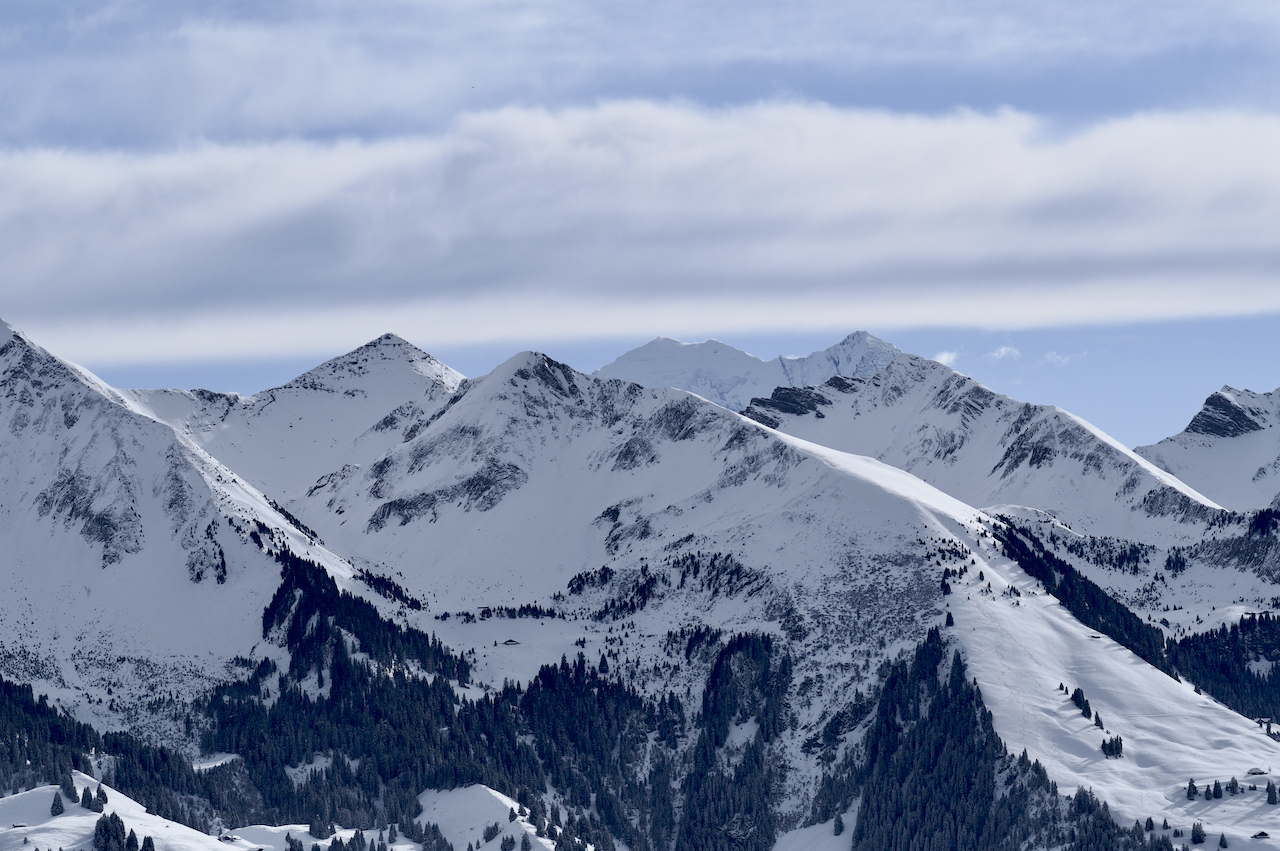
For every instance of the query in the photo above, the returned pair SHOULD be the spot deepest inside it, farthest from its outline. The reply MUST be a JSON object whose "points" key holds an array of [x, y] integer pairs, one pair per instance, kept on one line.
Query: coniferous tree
{"points": [[131, 841], [1222, 840], [1192, 791], [57, 809], [1217, 789], [1197, 833], [525, 844], [148, 844], [1271, 792], [86, 800], [839, 828], [1151, 825], [69, 787]]}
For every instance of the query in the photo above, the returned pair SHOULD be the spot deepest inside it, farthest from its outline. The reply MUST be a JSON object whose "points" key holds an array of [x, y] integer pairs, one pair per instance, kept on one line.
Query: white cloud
{"points": [[639, 217], [1004, 352], [1056, 359], [947, 358]]}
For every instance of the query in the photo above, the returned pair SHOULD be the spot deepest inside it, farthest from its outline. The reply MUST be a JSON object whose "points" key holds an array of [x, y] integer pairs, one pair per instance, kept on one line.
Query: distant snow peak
{"points": [[982, 447], [730, 377], [1230, 450], [358, 363]]}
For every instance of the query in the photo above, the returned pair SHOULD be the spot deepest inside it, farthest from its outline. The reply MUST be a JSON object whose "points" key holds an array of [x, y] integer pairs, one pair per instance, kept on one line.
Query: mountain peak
{"points": [[388, 350], [731, 377]]}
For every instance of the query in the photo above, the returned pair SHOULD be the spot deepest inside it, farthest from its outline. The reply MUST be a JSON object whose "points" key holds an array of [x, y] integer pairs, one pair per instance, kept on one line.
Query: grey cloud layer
{"points": [[149, 73], [642, 217]]}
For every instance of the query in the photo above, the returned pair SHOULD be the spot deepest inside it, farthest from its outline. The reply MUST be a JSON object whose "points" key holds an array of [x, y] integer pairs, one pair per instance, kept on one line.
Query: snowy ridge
{"points": [[282, 439], [989, 449], [731, 378], [26, 823], [1230, 449]]}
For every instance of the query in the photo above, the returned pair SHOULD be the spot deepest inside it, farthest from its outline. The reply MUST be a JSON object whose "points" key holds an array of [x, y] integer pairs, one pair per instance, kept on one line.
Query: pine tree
{"points": [[1165, 826], [1192, 791], [57, 809], [1222, 840], [1097, 720], [69, 787], [1151, 825], [1271, 792], [147, 844], [131, 842], [1197, 833], [525, 844], [86, 800], [1217, 789], [839, 824]]}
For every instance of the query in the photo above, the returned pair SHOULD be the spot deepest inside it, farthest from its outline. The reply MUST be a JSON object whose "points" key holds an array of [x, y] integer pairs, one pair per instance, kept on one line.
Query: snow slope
{"points": [[1020, 647], [987, 449], [1229, 451], [74, 828], [730, 377]]}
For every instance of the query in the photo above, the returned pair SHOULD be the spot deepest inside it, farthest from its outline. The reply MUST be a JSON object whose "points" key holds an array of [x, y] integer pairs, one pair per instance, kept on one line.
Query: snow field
{"points": [[1019, 648]]}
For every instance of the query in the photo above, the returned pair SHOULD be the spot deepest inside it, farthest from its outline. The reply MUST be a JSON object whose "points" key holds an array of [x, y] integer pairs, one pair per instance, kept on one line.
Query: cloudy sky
{"points": [[1075, 202]]}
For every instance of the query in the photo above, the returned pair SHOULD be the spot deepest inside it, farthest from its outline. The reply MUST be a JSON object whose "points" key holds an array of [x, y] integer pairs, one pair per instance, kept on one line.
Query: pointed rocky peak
{"points": [[1227, 413], [387, 353], [534, 369]]}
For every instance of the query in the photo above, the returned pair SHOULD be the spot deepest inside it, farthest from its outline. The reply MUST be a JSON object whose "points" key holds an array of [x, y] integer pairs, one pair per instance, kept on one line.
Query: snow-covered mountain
{"points": [[1230, 450], [116, 528], [731, 378], [537, 513], [538, 479], [990, 450]]}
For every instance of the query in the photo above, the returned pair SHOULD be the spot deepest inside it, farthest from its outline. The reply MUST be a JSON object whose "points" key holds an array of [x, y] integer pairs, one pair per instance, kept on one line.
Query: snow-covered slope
{"points": [[1230, 451], [990, 450], [354, 406], [26, 823], [1021, 644], [731, 378], [130, 570]]}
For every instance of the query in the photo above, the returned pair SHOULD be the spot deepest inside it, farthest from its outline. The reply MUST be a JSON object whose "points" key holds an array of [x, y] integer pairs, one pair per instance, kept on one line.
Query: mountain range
{"points": [[645, 618]]}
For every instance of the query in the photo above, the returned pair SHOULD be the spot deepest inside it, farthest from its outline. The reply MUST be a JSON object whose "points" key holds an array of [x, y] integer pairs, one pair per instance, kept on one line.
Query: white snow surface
{"points": [[1019, 648], [74, 828], [463, 814], [731, 377], [1230, 450]]}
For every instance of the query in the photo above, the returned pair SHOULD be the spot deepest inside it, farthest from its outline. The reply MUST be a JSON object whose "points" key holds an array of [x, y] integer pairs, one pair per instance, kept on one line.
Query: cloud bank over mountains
{"points": [[604, 220]]}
